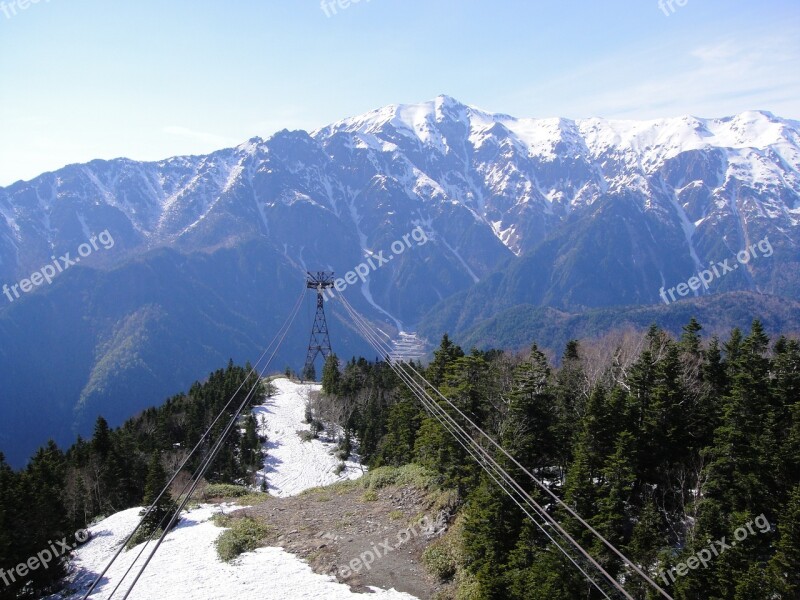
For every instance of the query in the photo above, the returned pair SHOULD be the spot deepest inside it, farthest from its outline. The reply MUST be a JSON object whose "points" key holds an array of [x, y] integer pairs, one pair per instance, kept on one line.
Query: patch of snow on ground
{"points": [[187, 567], [293, 465]]}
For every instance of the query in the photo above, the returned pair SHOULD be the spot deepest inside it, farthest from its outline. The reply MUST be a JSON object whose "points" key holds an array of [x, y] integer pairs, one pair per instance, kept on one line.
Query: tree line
{"points": [[59, 491], [665, 446]]}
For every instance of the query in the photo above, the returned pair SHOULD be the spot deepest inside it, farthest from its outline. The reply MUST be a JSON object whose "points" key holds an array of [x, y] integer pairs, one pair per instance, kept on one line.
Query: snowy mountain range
{"points": [[209, 251]]}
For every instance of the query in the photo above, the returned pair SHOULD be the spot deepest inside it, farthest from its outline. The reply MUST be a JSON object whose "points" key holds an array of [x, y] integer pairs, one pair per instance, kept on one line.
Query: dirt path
{"points": [[362, 537]]}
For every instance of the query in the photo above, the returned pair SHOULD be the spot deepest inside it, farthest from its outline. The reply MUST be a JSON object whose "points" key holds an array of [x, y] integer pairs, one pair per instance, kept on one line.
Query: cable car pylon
{"points": [[320, 341]]}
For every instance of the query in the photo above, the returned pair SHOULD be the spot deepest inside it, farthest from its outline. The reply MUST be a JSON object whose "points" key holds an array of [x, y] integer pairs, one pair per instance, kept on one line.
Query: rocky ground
{"points": [[363, 537]]}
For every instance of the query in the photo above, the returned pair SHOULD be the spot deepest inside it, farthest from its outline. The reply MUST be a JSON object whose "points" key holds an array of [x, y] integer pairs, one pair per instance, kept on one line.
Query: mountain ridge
{"points": [[577, 215], [655, 141]]}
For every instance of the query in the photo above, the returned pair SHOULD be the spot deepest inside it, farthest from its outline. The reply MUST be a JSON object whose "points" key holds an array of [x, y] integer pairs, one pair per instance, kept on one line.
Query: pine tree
{"points": [[41, 511], [647, 542], [667, 417], [709, 399], [403, 423], [489, 534], [442, 357], [250, 445], [754, 585], [549, 576], [641, 381], [786, 422], [581, 493], [697, 393], [619, 481], [527, 433], [163, 507], [785, 565], [310, 373], [733, 346], [739, 472], [101, 441], [331, 376], [570, 403], [434, 448], [8, 512], [714, 369], [607, 415], [691, 343]]}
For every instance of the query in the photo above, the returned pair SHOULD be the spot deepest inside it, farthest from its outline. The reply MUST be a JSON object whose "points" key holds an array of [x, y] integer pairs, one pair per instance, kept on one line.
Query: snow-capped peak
{"points": [[670, 136]]}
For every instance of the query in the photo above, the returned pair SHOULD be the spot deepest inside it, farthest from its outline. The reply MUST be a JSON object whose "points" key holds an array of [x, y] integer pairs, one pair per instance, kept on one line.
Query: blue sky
{"points": [[84, 79]]}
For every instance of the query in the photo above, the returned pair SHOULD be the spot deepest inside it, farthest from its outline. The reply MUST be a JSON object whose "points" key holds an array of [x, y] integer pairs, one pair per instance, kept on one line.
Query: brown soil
{"points": [[338, 529]]}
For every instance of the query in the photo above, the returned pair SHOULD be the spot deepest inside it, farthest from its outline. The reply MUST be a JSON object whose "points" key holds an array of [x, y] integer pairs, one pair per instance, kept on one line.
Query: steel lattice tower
{"points": [[320, 341]]}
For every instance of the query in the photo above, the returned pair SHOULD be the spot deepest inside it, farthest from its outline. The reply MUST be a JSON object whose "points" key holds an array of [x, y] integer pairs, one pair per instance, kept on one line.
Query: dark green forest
{"points": [[664, 445], [59, 492]]}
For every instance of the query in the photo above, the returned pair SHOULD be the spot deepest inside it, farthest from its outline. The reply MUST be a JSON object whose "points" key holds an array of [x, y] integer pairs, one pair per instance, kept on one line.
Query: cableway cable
{"points": [[486, 461], [213, 453], [203, 439], [381, 347]]}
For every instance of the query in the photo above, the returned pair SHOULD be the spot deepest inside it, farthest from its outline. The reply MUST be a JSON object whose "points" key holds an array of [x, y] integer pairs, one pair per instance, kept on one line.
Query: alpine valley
{"points": [[538, 230]]}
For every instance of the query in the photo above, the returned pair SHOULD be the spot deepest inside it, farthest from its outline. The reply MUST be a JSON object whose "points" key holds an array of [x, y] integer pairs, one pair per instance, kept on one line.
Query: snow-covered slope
{"points": [[187, 566], [656, 140], [293, 465]]}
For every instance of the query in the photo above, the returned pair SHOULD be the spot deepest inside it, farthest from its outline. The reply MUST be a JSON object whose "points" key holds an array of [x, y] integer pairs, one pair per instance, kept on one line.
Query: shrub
{"points": [[439, 559], [142, 535], [306, 436], [222, 520], [468, 587], [224, 490], [411, 474], [244, 535]]}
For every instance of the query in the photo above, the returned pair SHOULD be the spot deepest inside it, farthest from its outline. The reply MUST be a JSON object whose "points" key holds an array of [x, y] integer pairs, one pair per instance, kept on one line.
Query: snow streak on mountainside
{"points": [[557, 163], [187, 565], [488, 185]]}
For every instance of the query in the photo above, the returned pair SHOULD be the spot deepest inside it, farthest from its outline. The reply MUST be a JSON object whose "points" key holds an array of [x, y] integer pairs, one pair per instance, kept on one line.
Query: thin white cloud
{"points": [[716, 53], [720, 78]]}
